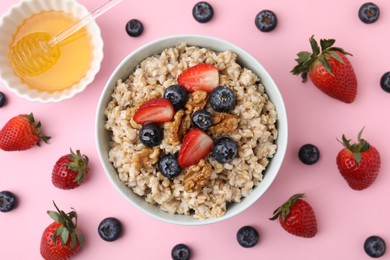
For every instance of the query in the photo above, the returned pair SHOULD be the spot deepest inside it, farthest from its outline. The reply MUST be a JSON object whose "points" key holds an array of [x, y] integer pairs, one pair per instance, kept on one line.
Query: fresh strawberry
{"points": [[196, 146], [21, 133], [199, 77], [358, 163], [329, 69], [156, 110], [297, 217], [70, 170], [61, 240]]}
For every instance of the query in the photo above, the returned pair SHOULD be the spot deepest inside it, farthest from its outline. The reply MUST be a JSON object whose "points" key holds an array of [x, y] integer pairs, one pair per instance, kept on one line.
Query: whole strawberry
{"points": [[297, 217], [61, 240], [21, 133], [358, 163], [70, 170], [329, 69]]}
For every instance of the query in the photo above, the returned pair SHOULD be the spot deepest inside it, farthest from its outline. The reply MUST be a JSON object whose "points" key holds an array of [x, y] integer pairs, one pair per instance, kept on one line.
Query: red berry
{"points": [[199, 77], [70, 170], [21, 133], [196, 146], [156, 110], [61, 239], [297, 217], [358, 163], [329, 69]]}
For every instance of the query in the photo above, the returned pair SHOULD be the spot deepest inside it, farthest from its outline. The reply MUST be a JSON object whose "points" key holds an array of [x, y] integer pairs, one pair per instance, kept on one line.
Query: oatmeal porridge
{"points": [[205, 189]]}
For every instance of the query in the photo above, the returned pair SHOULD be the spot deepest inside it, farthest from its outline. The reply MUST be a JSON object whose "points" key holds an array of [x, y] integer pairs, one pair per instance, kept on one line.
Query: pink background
{"points": [[345, 217]]}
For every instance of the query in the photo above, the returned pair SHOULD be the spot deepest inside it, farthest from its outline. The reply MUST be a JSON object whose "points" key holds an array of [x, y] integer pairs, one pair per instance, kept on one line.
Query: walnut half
{"points": [[197, 176], [145, 156], [223, 123]]}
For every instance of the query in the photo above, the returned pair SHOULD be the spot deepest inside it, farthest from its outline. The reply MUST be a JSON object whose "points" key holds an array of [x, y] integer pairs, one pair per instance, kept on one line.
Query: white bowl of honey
{"points": [[80, 54]]}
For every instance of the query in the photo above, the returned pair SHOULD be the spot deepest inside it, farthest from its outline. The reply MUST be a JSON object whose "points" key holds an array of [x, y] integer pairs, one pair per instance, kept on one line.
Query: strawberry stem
{"points": [[284, 210], [319, 53], [37, 127], [67, 228], [79, 164], [356, 148]]}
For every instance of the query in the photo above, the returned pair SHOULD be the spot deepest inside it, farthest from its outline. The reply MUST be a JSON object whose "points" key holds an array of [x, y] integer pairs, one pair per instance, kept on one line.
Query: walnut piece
{"points": [[178, 128], [198, 100], [145, 156], [223, 123], [182, 119], [197, 176]]}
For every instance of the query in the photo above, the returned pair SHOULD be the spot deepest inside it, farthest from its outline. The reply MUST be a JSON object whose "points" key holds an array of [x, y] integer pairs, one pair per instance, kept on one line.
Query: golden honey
{"points": [[76, 51]]}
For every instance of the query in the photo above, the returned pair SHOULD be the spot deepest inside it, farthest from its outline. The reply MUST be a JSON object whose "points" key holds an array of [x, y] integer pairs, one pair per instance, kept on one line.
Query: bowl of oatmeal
{"points": [[204, 189]]}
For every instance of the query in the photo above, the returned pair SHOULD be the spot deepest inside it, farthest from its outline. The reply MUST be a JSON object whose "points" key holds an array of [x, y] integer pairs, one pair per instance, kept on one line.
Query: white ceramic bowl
{"points": [[9, 23], [122, 72]]}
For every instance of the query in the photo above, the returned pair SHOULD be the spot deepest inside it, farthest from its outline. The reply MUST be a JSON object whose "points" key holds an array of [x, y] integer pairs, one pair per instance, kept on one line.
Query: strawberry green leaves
{"points": [[356, 148], [67, 228], [319, 52]]}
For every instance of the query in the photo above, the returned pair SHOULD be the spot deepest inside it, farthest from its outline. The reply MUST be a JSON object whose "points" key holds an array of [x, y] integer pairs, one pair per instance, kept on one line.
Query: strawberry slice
{"points": [[156, 110], [196, 146], [199, 77]]}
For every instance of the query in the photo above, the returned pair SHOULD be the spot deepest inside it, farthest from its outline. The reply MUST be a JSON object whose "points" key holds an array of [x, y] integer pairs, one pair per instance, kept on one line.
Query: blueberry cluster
{"points": [[221, 99]]}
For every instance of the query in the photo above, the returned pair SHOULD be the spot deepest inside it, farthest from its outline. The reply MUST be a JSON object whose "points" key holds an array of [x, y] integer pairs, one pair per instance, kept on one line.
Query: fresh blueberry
{"points": [[222, 99], [224, 149], [202, 12], [134, 28], [169, 166], [375, 246], [181, 252], [369, 13], [7, 201], [3, 99], [385, 82], [247, 236], [110, 229], [177, 95], [309, 154], [266, 21], [151, 135], [202, 119]]}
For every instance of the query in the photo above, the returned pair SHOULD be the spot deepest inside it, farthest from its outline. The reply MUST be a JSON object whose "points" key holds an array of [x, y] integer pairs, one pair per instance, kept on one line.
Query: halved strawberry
{"points": [[156, 110], [196, 146], [199, 77]]}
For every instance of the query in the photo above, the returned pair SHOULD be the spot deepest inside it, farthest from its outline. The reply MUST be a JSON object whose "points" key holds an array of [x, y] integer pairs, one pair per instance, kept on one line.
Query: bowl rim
{"points": [[55, 96], [190, 39]]}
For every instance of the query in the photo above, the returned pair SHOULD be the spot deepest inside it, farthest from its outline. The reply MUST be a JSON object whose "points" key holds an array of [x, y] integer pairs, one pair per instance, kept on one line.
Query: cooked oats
{"points": [[255, 134]]}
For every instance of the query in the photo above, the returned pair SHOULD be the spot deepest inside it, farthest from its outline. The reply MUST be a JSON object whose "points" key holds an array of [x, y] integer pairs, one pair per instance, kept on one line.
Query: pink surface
{"points": [[345, 217]]}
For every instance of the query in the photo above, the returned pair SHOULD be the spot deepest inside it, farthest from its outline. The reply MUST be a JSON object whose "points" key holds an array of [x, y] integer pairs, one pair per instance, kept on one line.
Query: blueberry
{"points": [[3, 99], [202, 119], [266, 21], [202, 12], [369, 13], [309, 154], [222, 99], [134, 28], [385, 82], [151, 134], [181, 252], [169, 166], [375, 246], [178, 96], [7, 201], [247, 236], [110, 229], [224, 149]]}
